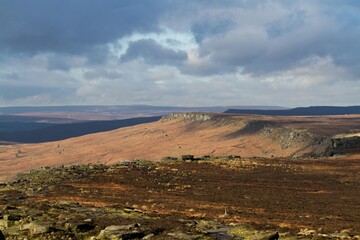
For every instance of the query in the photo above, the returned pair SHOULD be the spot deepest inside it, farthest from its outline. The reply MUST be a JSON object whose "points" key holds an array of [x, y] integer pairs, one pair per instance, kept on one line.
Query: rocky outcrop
{"points": [[339, 144], [195, 116], [132, 231], [308, 144], [345, 142]]}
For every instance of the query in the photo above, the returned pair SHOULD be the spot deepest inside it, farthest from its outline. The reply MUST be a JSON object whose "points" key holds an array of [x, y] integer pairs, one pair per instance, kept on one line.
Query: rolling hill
{"points": [[300, 111], [189, 133]]}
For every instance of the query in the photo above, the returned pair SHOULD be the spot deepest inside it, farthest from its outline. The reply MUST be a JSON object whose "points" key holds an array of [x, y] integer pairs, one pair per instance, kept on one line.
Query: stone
{"points": [[4, 223], [12, 231], [341, 235], [306, 232], [147, 237], [36, 228], [123, 227], [204, 225], [89, 220], [114, 232]]}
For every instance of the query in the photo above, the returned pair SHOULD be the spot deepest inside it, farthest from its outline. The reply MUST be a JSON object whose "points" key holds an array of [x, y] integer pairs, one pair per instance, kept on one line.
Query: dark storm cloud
{"points": [[71, 26], [153, 53]]}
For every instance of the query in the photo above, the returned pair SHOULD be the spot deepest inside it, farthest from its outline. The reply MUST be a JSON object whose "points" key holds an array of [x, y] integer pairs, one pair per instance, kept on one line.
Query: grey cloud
{"points": [[72, 26], [286, 24], [11, 93], [206, 67], [210, 27], [57, 63], [153, 53], [101, 73], [10, 76]]}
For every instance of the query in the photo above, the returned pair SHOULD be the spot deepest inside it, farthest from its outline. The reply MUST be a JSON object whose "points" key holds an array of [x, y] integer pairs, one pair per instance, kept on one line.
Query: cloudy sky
{"points": [[180, 52]]}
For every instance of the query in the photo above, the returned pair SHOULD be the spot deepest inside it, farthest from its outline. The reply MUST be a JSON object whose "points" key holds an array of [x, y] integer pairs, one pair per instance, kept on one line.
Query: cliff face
{"points": [[303, 141], [193, 116], [339, 144], [298, 141]]}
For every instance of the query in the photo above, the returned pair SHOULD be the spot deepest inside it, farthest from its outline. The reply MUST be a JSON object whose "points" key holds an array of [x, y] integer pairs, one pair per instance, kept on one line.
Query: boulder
{"points": [[4, 223], [36, 228], [121, 232], [147, 237]]}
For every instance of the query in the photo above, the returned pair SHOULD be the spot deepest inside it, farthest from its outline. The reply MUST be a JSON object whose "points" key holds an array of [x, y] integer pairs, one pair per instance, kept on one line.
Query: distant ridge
{"points": [[300, 111], [123, 108], [54, 114], [64, 131]]}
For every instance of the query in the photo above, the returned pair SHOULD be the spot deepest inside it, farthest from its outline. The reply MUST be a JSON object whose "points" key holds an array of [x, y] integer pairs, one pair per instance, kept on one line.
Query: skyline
{"points": [[179, 53]]}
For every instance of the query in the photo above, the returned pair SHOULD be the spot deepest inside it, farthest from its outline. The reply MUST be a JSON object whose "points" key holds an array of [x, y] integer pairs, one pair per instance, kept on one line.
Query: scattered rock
{"points": [[205, 225], [341, 235], [306, 232], [205, 157], [169, 158]]}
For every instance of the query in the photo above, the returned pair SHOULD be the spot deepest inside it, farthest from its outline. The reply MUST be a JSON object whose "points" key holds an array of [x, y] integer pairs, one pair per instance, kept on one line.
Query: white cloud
{"points": [[311, 72]]}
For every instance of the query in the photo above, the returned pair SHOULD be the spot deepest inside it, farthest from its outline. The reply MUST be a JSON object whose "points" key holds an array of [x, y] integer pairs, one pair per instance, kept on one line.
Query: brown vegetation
{"points": [[180, 135]]}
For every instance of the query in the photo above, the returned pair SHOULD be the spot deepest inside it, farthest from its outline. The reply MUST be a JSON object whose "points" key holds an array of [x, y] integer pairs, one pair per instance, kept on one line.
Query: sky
{"points": [[180, 52]]}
